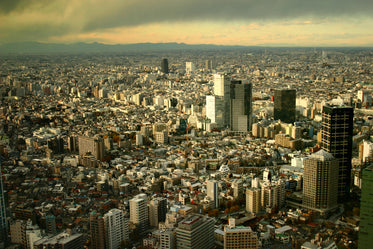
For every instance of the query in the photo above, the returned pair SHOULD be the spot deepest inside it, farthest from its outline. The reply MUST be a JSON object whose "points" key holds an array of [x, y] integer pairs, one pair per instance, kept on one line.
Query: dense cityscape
{"points": [[202, 148]]}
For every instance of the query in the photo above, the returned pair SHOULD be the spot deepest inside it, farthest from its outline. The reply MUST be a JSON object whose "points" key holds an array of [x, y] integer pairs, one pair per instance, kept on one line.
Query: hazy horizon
{"points": [[272, 23]]}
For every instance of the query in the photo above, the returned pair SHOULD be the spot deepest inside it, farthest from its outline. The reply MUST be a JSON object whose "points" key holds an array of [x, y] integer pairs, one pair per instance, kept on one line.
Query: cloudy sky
{"points": [[233, 22]]}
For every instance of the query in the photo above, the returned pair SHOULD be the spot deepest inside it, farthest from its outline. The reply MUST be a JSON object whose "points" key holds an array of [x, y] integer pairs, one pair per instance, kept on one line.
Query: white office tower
{"points": [[139, 212], [195, 232], [367, 151], [213, 192], [215, 110], [116, 228], [189, 67], [253, 200], [222, 86]]}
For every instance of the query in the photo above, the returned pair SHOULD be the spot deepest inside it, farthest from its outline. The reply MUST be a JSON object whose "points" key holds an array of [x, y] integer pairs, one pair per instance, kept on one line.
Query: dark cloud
{"points": [[75, 16], [143, 11], [7, 6]]}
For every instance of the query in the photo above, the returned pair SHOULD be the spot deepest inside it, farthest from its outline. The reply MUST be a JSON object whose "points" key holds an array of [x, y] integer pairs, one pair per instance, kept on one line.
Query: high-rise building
{"points": [[215, 110], [222, 88], [139, 212], [253, 200], [284, 106], [209, 64], [3, 222], [94, 146], [157, 211], [195, 232], [239, 237], [97, 230], [320, 184], [164, 66], [116, 228], [366, 210], [189, 67], [213, 192], [336, 138], [241, 105]]}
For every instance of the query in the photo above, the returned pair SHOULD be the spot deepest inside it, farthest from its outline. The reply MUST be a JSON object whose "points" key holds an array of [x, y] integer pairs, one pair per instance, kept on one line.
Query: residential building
{"points": [[116, 228]]}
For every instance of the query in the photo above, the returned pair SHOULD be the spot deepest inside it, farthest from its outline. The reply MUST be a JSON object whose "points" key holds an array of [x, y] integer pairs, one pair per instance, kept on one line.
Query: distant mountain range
{"points": [[37, 47]]}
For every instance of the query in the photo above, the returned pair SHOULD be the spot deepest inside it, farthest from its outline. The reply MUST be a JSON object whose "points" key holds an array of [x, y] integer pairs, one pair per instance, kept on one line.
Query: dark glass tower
{"points": [[240, 105], [3, 222], [336, 138], [164, 66], [366, 209], [284, 108]]}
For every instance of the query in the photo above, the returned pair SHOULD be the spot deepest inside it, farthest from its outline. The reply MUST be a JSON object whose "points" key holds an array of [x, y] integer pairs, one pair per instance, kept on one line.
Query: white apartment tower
{"points": [[116, 228], [139, 212], [213, 192]]}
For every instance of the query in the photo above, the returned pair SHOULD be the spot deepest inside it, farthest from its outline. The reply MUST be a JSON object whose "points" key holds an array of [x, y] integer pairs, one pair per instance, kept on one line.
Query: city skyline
{"points": [[247, 23]]}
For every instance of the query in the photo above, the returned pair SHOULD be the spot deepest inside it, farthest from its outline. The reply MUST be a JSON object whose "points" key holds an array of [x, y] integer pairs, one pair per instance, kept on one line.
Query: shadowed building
{"points": [[164, 66], [284, 106], [366, 210]]}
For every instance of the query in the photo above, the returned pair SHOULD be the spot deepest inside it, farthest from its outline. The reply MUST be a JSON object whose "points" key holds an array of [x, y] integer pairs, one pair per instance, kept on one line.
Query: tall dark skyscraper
{"points": [[240, 105], [366, 209], [3, 223], [336, 138], [164, 66], [284, 107]]}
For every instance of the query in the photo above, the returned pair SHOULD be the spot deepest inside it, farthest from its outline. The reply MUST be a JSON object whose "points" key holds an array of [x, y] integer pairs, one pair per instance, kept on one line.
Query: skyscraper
{"points": [[195, 232], [164, 66], [320, 184], [366, 210], [97, 230], [240, 105], [284, 106], [215, 110], [213, 192], [139, 212], [3, 223], [336, 138], [222, 88], [189, 67], [116, 228]]}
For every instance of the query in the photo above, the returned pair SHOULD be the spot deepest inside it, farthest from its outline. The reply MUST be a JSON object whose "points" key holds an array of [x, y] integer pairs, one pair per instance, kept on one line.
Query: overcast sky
{"points": [[233, 22]]}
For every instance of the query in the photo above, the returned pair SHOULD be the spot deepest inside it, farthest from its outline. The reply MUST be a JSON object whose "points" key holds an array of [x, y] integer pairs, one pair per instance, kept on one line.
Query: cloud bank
{"points": [[40, 19]]}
